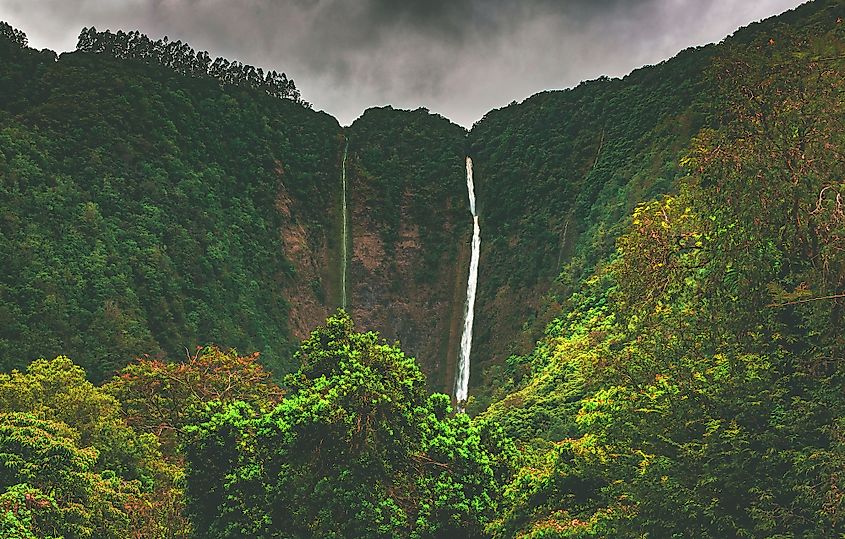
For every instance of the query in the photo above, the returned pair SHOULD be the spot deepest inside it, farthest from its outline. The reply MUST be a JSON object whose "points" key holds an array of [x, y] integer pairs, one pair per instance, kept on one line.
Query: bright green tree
{"points": [[57, 393], [62, 495], [356, 449]]}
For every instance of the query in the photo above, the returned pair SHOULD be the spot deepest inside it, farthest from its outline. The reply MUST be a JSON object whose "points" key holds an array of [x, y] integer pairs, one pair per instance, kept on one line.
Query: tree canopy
{"points": [[183, 59], [355, 449]]}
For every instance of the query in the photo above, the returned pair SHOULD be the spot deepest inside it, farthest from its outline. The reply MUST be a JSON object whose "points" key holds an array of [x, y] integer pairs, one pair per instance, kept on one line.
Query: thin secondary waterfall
{"points": [[344, 239], [462, 380]]}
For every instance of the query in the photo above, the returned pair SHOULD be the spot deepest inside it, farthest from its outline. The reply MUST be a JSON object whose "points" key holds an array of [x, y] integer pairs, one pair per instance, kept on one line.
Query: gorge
{"points": [[224, 315], [551, 211]]}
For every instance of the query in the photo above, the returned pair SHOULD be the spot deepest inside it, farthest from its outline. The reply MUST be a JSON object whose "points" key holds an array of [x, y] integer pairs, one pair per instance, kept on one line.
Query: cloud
{"points": [[457, 57]]}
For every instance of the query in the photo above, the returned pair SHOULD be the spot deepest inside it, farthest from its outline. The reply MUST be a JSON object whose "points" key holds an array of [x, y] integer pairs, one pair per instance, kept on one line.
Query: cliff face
{"points": [[306, 245], [387, 295], [410, 226]]}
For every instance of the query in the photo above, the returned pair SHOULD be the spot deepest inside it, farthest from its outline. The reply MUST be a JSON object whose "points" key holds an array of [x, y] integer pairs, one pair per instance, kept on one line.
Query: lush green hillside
{"points": [[410, 223], [556, 174], [153, 202], [559, 172], [692, 385], [682, 230], [140, 209]]}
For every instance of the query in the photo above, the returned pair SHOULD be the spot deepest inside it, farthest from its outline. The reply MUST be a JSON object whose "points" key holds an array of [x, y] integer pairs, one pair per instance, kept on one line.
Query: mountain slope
{"points": [[140, 210], [692, 385], [558, 173], [149, 209]]}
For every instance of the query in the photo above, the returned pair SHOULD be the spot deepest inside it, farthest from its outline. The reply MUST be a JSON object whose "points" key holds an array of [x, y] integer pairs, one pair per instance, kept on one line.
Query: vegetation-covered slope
{"points": [[557, 173], [154, 200], [140, 209], [693, 385]]}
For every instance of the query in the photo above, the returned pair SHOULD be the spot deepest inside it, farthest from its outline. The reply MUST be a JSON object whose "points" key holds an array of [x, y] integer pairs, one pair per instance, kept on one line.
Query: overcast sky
{"points": [[459, 58]]}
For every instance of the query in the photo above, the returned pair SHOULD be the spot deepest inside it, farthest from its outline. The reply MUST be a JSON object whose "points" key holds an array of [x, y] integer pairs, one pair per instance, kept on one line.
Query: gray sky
{"points": [[459, 58]]}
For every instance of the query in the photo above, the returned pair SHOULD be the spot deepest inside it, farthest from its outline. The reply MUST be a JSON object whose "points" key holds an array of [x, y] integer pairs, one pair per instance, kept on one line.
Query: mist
{"points": [[459, 58]]}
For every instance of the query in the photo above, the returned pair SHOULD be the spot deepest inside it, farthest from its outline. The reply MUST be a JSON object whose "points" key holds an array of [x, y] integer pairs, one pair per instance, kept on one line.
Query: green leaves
{"points": [[80, 470], [355, 449], [61, 493], [704, 404]]}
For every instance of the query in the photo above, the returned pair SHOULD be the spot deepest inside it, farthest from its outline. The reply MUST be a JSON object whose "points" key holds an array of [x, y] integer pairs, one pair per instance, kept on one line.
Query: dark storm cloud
{"points": [[457, 57]]}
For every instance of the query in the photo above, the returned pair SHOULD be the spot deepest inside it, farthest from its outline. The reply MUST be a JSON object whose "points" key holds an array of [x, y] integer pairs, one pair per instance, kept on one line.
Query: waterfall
{"points": [[462, 380], [344, 239]]}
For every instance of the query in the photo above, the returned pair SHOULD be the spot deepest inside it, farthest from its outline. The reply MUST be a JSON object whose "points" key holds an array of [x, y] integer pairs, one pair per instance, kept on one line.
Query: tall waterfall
{"points": [[344, 238], [462, 380]]}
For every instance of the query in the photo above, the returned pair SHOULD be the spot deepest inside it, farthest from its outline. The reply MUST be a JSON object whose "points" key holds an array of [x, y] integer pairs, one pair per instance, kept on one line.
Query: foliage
{"points": [[141, 210], [57, 390], [183, 59], [355, 449], [58, 401], [49, 484], [13, 35], [708, 404], [162, 398], [20, 66]]}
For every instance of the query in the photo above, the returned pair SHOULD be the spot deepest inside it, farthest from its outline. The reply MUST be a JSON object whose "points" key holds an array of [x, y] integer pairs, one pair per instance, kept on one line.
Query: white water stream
{"points": [[462, 380]]}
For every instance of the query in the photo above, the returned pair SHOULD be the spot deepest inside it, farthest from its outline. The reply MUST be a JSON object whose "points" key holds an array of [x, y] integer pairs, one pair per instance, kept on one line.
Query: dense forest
{"points": [[180, 57], [140, 207], [678, 235]]}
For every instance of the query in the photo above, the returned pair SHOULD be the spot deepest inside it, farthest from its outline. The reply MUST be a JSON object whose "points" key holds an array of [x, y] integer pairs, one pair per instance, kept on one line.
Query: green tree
{"points": [[355, 449], [57, 390], [63, 496], [57, 393]]}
